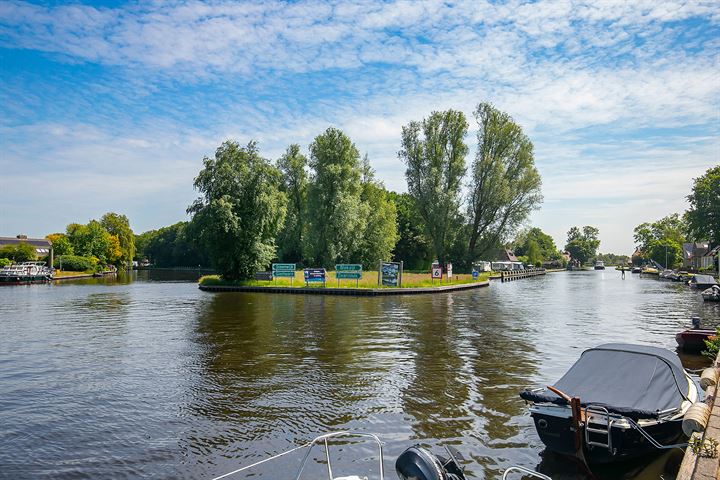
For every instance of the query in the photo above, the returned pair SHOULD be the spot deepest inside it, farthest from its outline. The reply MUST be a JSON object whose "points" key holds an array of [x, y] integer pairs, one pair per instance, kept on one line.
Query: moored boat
{"points": [[702, 282], [711, 294], [617, 402], [650, 271], [25, 273], [636, 270], [693, 340], [599, 265]]}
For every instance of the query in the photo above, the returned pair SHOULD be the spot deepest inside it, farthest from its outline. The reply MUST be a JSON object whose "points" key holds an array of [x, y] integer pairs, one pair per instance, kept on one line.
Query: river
{"points": [[146, 376]]}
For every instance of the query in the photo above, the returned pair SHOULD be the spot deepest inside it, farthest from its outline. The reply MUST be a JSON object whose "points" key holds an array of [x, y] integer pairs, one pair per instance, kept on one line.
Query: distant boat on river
{"points": [[599, 265]]}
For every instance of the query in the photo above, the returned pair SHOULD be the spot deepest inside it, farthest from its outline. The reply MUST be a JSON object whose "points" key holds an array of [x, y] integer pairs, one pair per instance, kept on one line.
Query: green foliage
{"points": [[704, 447], [119, 226], [4, 262], [334, 198], [295, 185], [712, 346], [703, 217], [21, 252], [92, 240], [61, 244], [505, 185], [663, 236], [613, 259], [240, 212], [542, 244], [170, 246], [75, 263], [434, 152], [582, 245], [413, 247], [381, 233]]}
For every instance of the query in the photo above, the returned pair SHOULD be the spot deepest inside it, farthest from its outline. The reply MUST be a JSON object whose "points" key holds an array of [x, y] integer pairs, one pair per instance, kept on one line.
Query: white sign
{"points": [[449, 270], [436, 271]]}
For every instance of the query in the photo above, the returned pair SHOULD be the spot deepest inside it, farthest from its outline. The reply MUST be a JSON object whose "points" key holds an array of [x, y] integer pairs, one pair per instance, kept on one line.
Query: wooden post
{"points": [[379, 273], [401, 274]]}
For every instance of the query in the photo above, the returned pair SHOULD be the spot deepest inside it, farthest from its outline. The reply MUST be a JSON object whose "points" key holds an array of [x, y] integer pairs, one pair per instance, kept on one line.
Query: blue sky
{"points": [[111, 106]]}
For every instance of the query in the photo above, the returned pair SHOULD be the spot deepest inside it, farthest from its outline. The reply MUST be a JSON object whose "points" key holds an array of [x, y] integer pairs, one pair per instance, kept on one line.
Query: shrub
{"points": [[22, 252], [4, 262], [712, 345], [75, 263]]}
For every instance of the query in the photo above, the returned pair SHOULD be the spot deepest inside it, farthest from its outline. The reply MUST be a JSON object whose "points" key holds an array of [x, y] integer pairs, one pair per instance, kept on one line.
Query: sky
{"points": [[111, 106]]}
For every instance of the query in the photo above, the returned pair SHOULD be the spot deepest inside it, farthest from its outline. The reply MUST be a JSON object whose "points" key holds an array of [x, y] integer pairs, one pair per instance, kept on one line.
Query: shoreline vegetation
{"points": [[369, 280]]}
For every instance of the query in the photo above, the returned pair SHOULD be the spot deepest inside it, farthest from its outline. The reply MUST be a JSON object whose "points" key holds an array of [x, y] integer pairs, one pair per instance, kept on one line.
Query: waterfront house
{"points": [[696, 255], [43, 246]]}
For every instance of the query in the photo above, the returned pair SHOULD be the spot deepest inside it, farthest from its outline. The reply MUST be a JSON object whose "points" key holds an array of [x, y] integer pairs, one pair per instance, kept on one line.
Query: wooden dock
{"points": [[696, 467], [518, 274]]}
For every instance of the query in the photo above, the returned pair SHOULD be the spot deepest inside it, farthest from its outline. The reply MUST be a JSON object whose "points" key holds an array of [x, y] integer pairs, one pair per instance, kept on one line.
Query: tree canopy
{"points": [[170, 246], [240, 211], [536, 245], [504, 183], [703, 217], [21, 252], [662, 240], [434, 152], [582, 244], [292, 165], [119, 227]]}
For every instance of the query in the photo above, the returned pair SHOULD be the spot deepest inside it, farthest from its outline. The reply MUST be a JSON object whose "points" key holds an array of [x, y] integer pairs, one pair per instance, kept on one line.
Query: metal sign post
{"points": [[436, 272], [286, 270], [348, 271], [390, 274]]}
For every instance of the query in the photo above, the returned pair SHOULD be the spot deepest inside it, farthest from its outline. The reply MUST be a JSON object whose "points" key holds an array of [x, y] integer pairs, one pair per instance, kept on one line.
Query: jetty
{"points": [[508, 276]]}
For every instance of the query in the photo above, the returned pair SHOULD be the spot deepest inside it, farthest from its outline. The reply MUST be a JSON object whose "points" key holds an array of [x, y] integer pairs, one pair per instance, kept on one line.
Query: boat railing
{"points": [[524, 471], [319, 440]]}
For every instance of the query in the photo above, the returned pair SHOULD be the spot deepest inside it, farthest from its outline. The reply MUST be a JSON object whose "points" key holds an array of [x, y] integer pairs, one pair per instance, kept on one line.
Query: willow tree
{"points": [[240, 210], [434, 152], [292, 165], [505, 185], [339, 216]]}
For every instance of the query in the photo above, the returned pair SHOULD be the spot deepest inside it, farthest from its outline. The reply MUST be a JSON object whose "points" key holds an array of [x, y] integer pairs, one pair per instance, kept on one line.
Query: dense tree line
{"points": [[170, 246]]}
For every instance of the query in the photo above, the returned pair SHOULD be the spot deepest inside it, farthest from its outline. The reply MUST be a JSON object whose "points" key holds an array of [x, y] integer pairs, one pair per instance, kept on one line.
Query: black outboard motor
{"points": [[417, 463]]}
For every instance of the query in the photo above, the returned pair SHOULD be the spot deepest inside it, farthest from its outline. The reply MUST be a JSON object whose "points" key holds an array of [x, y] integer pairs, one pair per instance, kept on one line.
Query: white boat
{"points": [[25, 273], [599, 265]]}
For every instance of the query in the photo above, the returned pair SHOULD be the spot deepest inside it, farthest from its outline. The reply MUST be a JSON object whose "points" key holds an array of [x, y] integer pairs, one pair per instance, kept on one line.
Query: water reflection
{"points": [[145, 376]]}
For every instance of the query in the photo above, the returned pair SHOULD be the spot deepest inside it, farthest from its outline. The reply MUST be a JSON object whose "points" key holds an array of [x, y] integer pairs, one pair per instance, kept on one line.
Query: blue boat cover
{"points": [[633, 380]]}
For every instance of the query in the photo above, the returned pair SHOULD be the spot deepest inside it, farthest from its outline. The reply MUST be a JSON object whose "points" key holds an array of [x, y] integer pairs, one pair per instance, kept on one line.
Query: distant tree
{"points": [[292, 165], [582, 245], [60, 244], [334, 198], [413, 247], [240, 211], [547, 250], [170, 246], [119, 226], [504, 185], [92, 240], [703, 217], [21, 252], [662, 240], [381, 234], [434, 152]]}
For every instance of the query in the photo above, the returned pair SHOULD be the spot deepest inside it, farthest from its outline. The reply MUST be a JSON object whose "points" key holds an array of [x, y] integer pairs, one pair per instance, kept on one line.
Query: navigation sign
{"points": [[348, 270], [266, 276], [314, 275], [448, 269], [436, 271], [475, 273], [391, 274], [283, 270]]}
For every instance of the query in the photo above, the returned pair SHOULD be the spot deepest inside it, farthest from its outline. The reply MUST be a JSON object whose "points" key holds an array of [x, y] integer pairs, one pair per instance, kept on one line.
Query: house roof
{"points": [[42, 245]]}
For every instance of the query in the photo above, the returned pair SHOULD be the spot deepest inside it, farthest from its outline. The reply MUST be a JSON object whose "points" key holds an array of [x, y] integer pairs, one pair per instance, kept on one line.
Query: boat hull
{"points": [[23, 280], [558, 435], [693, 340]]}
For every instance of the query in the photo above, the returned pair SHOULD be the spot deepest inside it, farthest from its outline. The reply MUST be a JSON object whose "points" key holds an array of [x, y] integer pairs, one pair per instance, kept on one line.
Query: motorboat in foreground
{"points": [[617, 402], [415, 463]]}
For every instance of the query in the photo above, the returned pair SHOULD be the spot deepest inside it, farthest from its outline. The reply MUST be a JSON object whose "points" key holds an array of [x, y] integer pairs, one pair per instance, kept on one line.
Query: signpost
{"points": [[436, 272], [264, 276], [314, 275], [475, 274], [391, 274], [284, 270], [448, 269], [348, 271]]}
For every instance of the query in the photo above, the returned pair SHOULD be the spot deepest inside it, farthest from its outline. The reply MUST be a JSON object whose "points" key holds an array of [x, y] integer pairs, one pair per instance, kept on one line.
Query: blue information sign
{"points": [[475, 274], [314, 275]]}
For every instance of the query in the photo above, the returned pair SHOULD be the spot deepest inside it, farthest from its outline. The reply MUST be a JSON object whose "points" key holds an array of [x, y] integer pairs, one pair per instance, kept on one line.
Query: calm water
{"points": [[149, 377]]}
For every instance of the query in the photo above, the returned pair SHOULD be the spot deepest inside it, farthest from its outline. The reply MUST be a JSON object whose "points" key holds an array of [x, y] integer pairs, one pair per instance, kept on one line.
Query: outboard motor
{"points": [[696, 322], [418, 463]]}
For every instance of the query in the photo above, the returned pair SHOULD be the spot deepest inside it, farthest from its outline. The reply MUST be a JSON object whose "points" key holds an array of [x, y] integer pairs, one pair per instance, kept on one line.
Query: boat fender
{"points": [[696, 418], [709, 378]]}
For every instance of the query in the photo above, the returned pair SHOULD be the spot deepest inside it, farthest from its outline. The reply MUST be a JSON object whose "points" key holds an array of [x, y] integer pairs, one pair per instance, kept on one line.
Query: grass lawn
{"points": [[369, 280], [60, 274]]}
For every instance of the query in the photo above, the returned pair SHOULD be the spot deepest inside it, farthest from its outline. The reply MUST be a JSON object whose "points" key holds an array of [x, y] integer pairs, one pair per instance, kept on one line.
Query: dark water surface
{"points": [[149, 377]]}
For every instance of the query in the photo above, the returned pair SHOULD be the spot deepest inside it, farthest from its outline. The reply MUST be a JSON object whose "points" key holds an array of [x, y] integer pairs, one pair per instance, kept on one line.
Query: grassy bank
{"points": [[369, 280]]}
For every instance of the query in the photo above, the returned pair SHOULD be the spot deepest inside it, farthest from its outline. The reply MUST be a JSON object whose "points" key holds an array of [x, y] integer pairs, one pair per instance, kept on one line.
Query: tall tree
{"points": [[292, 165], [412, 247], [380, 235], [583, 244], [119, 225], [505, 185], [60, 244], [545, 243], [240, 211], [334, 198], [703, 217], [662, 240], [92, 240], [434, 152]]}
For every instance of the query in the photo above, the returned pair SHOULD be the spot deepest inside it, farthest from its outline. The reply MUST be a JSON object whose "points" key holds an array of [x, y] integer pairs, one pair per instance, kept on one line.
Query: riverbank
{"points": [[60, 276], [371, 292]]}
